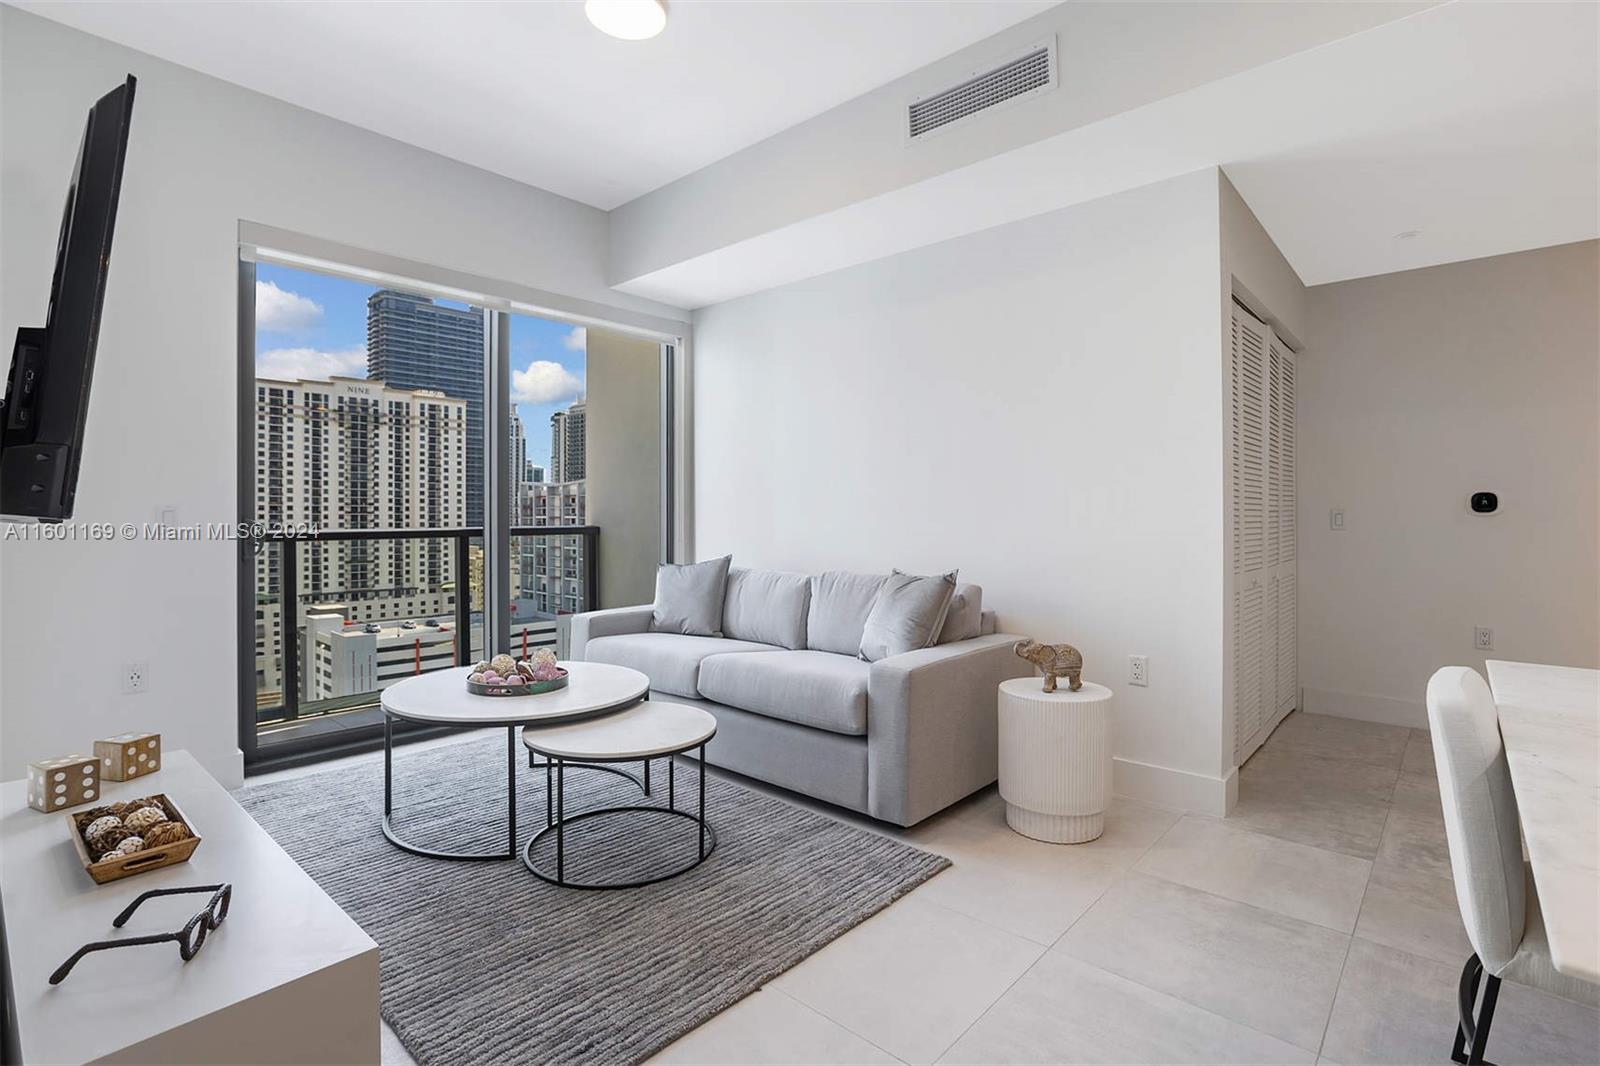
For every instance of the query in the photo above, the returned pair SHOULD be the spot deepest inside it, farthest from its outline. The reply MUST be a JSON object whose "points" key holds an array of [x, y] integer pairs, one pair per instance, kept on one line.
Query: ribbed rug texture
{"points": [[484, 963]]}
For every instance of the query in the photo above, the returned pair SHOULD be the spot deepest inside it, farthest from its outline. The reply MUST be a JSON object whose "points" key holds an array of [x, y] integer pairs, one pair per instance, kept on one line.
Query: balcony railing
{"points": [[291, 599]]}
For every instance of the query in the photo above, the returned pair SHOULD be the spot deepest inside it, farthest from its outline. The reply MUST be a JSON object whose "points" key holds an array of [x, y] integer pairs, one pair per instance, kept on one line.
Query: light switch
{"points": [[1336, 519]]}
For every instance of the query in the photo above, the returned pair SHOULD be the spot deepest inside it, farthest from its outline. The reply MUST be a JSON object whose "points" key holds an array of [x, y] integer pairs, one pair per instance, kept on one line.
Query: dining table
{"points": [[1550, 724]]}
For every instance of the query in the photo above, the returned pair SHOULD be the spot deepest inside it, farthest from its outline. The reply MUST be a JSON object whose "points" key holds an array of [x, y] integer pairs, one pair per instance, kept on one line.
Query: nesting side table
{"points": [[1055, 759]]}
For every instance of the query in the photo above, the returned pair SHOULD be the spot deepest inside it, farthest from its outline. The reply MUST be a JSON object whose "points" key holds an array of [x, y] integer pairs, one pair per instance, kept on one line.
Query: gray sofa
{"points": [[897, 739]]}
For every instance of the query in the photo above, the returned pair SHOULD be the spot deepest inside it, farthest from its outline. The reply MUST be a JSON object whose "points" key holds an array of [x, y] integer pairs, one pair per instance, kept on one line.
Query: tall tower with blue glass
{"points": [[414, 343]]}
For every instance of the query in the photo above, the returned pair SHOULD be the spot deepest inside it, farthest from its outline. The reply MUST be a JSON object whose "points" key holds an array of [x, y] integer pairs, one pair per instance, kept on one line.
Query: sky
{"points": [[312, 325]]}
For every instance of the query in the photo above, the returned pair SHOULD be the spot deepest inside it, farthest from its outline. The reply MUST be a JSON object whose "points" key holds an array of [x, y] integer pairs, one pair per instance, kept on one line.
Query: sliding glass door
{"points": [[381, 428]]}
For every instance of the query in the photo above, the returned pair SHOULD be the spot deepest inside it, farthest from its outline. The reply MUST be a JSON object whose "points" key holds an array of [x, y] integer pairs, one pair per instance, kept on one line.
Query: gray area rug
{"points": [[484, 963]]}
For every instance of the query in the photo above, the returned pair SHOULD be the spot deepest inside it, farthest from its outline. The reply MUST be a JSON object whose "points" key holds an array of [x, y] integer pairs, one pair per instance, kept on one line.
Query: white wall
{"points": [[161, 430], [1038, 405], [1422, 388], [1114, 58]]}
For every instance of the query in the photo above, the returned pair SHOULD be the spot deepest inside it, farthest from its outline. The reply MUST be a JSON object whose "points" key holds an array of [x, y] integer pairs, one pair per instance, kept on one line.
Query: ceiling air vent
{"points": [[1029, 72]]}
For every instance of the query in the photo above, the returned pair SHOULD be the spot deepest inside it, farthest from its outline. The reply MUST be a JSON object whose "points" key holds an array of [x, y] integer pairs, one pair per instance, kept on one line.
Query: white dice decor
{"points": [[66, 781], [129, 756]]}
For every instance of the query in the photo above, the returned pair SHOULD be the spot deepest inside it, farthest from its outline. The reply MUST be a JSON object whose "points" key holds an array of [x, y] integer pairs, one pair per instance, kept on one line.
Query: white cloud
{"points": [[281, 311], [577, 339], [545, 382], [311, 364]]}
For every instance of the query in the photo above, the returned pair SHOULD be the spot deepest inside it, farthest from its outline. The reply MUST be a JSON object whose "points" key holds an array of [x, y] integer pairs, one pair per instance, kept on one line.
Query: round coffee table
{"points": [[649, 730], [441, 698]]}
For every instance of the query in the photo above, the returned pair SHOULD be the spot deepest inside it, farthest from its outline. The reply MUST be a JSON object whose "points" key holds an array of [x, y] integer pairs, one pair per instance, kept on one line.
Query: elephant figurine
{"points": [[1056, 660]]}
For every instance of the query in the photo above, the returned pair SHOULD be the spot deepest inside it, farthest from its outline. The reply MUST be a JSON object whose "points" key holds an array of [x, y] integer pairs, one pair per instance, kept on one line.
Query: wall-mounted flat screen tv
{"points": [[47, 391]]}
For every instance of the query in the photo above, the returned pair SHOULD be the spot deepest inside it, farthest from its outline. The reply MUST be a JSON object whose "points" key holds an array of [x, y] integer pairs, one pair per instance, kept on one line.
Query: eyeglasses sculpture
{"points": [[190, 939]]}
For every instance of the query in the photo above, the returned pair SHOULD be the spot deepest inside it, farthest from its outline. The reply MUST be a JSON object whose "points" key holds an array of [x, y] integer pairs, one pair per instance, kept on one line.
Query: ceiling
{"points": [[533, 92], [1475, 126]]}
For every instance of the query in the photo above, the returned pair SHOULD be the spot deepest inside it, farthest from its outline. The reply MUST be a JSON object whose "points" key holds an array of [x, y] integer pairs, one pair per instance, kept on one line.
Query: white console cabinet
{"points": [[287, 978]]}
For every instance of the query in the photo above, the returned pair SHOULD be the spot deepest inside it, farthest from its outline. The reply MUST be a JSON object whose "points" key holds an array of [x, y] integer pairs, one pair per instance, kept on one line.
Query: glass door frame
{"points": [[324, 257]]}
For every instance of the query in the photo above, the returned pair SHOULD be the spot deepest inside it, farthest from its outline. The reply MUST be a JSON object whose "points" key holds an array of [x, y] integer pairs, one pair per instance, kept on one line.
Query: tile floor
{"points": [[1317, 923]]}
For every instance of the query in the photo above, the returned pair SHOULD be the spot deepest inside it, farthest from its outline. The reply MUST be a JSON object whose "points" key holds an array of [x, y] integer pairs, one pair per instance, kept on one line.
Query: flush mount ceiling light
{"points": [[631, 20]]}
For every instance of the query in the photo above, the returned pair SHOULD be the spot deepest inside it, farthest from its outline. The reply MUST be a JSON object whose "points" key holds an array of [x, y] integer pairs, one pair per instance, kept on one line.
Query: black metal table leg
{"points": [[511, 786], [702, 803], [672, 783], [393, 836], [561, 821], [388, 763]]}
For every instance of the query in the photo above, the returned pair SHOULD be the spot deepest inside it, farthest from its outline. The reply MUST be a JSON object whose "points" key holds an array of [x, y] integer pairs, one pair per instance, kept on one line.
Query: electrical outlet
{"points": [[1483, 638], [1138, 670], [135, 678], [1336, 519]]}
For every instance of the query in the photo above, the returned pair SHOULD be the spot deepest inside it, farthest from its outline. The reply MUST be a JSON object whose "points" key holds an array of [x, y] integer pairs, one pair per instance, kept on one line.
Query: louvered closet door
{"points": [[1254, 646], [1281, 458]]}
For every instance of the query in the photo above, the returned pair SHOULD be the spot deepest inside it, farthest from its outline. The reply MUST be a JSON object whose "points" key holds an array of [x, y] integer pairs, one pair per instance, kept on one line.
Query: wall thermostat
{"points": [[1485, 502]]}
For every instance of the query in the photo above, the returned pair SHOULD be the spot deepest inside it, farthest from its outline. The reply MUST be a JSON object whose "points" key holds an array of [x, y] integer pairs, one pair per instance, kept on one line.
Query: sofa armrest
{"points": [[608, 623], [932, 724]]}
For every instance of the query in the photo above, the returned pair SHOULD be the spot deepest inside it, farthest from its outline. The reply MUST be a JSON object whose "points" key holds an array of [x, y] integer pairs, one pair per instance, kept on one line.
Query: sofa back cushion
{"points": [[965, 619], [689, 597], [766, 606], [908, 614], [840, 603]]}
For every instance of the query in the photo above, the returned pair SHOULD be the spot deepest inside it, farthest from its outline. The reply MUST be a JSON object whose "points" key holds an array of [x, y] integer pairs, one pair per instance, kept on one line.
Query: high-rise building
{"points": [[346, 454], [414, 343], [553, 567], [567, 453], [519, 468]]}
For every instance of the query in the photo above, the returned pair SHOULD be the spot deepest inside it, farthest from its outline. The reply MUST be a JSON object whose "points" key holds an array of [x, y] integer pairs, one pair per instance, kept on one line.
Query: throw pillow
{"points": [[689, 597], [965, 619], [907, 614]]}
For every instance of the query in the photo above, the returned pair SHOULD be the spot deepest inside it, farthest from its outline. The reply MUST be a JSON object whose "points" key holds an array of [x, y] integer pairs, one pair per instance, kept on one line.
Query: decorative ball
{"points": [[166, 833], [492, 678], [482, 667], [476, 677], [94, 814], [525, 668], [546, 672], [128, 846], [107, 841], [503, 665], [543, 655], [144, 818], [100, 825], [515, 679]]}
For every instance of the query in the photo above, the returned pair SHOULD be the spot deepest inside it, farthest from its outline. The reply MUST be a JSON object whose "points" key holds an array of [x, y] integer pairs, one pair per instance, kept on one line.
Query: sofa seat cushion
{"points": [[672, 661], [813, 688]]}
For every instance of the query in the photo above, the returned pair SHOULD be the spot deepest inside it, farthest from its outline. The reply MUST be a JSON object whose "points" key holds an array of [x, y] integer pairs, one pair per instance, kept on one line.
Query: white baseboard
{"points": [[1178, 789], [1385, 710]]}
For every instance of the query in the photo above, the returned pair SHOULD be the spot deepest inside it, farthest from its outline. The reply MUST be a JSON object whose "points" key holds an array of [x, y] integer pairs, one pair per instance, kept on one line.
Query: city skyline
{"points": [[313, 326]]}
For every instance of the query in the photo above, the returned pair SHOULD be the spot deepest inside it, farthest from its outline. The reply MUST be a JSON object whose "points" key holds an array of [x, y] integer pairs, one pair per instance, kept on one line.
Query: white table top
{"points": [[281, 926], [442, 697], [1550, 721], [1033, 688], [641, 732]]}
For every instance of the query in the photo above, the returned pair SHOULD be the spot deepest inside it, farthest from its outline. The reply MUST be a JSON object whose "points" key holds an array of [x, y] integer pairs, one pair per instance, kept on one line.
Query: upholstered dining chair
{"points": [[1498, 903]]}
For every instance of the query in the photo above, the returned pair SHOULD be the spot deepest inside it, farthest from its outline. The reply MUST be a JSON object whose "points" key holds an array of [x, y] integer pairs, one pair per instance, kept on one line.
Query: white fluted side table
{"points": [[1055, 759]]}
